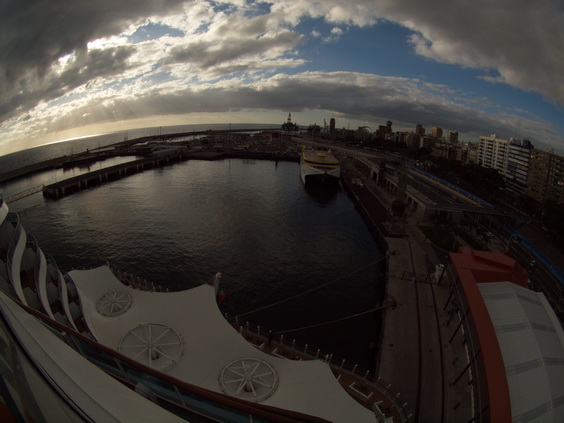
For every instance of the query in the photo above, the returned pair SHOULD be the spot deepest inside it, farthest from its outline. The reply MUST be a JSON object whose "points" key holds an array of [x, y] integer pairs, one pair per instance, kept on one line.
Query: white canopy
{"points": [[95, 393], [532, 344], [186, 336]]}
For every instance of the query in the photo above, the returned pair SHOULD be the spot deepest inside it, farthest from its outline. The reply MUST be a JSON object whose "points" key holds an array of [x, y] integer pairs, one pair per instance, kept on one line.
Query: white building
{"points": [[510, 157], [493, 152]]}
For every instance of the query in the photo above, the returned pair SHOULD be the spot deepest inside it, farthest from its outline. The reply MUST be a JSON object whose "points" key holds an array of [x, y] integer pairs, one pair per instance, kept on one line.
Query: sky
{"points": [[72, 68]]}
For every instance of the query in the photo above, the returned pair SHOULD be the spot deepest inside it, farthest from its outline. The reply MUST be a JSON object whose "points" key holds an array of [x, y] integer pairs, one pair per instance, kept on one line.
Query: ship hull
{"points": [[311, 175], [317, 167]]}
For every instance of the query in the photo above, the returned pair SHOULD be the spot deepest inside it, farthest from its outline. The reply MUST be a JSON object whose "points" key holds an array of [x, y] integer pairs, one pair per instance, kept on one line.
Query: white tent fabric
{"points": [[209, 343], [95, 393], [532, 345]]}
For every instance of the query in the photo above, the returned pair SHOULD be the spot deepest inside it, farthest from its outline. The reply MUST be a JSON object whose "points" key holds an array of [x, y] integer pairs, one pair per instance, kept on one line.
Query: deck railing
{"points": [[369, 389], [182, 398]]}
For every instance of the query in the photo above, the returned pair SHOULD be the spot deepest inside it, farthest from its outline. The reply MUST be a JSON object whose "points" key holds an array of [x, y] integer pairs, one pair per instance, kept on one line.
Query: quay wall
{"points": [[374, 214], [98, 177]]}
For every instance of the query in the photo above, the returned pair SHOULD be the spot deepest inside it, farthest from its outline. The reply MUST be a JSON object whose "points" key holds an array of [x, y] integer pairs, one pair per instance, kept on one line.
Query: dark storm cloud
{"points": [[35, 34], [53, 79], [350, 95], [86, 68], [516, 42]]}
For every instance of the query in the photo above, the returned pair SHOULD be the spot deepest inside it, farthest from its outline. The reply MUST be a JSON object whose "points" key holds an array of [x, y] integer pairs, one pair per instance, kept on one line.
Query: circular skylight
{"points": [[154, 345], [249, 378], [114, 303]]}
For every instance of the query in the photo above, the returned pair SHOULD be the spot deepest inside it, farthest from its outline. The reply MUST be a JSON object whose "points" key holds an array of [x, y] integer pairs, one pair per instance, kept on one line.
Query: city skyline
{"points": [[73, 69]]}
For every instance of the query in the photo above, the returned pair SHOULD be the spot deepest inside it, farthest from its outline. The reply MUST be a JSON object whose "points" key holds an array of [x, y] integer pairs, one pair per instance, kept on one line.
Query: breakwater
{"points": [[91, 179]]}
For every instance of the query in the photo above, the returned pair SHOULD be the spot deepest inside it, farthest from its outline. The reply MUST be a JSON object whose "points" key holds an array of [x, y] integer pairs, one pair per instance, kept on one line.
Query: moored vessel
{"points": [[319, 166]]}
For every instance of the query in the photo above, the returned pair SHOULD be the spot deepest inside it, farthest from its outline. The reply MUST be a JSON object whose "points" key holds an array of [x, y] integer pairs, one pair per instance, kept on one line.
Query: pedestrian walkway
{"points": [[418, 354]]}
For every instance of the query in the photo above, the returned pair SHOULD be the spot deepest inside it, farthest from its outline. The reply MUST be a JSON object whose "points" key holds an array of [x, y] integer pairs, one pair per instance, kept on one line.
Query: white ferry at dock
{"points": [[320, 166]]}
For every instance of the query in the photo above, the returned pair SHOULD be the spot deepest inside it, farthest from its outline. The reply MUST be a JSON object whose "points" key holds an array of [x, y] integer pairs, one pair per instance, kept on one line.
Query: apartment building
{"points": [[493, 152], [510, 157], [546, 177], [517, 168]]}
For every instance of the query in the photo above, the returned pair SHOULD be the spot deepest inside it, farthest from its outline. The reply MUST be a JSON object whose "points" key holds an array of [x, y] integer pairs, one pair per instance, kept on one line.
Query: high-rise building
{"points": [[517, 168], [472, 152], [437, 132], [452, 137], [511, 158], [419, 130], [332, 125], [546, 177], [493, 152]]}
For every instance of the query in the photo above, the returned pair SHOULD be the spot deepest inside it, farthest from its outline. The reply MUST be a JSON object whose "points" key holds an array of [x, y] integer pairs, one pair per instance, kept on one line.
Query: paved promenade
{"points": [[417, 355]]}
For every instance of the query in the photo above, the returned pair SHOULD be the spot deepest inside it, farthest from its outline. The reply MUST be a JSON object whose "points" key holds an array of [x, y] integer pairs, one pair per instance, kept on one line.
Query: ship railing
{"points": [[182, 398], [371, 390], [137, 282]]}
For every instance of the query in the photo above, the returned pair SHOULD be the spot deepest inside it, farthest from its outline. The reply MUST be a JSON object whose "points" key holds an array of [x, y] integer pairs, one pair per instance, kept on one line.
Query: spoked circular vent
{"points": [[154, 345], [114, 303], [249, 378]]}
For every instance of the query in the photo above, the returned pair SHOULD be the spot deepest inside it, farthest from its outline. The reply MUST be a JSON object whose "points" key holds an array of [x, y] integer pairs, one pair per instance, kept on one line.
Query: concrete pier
{"points": [[112, 173], [421, 354]]}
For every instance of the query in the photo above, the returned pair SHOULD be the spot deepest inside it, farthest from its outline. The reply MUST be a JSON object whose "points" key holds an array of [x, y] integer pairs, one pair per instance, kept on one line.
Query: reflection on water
{"points": [[251, 220], [323, 193]]}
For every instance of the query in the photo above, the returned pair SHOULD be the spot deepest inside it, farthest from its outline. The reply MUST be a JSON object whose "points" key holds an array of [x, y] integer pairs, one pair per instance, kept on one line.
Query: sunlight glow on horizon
{"points": [[73, 139]]}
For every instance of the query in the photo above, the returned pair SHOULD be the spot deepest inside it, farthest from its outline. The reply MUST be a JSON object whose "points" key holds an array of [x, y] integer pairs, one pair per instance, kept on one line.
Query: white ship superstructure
{"points": [[319, 166], [99, 344]]}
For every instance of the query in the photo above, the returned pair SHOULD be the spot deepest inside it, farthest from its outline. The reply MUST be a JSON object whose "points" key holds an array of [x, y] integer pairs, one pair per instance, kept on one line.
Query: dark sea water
{"points": [[251, 220]]}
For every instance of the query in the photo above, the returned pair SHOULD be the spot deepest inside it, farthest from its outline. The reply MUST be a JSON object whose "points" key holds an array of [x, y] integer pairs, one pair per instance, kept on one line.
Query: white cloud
{"points": [[519, 39], [347, 94], [75, 59], [334, 36]]}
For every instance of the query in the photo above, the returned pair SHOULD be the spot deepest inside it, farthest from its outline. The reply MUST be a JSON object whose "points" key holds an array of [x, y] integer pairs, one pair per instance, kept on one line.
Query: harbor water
{"points": [[251, 220]]}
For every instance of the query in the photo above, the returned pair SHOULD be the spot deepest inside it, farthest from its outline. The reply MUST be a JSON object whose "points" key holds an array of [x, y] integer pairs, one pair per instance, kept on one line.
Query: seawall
{"points": [[102, 176], [417, 354]]}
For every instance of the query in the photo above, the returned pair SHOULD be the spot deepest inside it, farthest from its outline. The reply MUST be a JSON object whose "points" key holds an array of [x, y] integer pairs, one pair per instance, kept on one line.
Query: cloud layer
{"points": [[67, 63]]}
